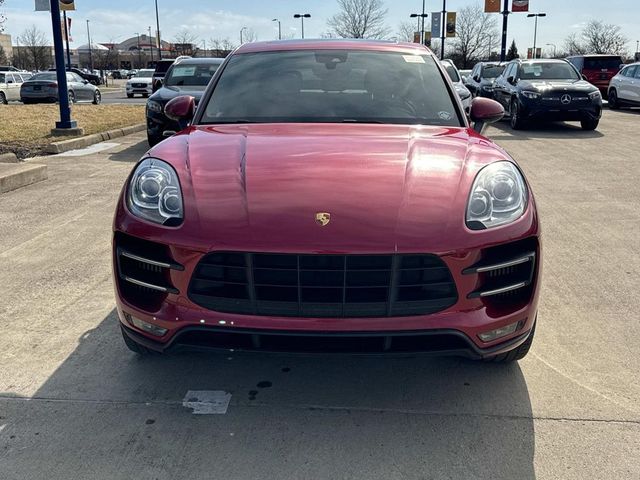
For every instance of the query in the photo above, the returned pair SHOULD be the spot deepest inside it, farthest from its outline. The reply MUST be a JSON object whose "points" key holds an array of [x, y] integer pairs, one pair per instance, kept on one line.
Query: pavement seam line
{"points": [[171, 403]]}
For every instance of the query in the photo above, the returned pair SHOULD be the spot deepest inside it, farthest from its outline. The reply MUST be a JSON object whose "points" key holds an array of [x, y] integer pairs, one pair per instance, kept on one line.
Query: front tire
{"points": [[97, 97], [135, 347], [589, 124], [515, 354], [614, 104], [72, 98], [516, 120], [129, 95]]}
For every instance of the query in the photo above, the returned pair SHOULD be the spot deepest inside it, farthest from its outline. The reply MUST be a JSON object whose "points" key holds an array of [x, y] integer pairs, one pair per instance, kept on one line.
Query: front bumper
{"points": [[441, 342], [139, 90], [553, 109], [158, 123]]}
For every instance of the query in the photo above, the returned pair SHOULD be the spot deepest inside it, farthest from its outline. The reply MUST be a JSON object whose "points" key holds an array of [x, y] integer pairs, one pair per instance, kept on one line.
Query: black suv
{"points": [[547, 90], [480, 80], [92, 78], [187, 77]]}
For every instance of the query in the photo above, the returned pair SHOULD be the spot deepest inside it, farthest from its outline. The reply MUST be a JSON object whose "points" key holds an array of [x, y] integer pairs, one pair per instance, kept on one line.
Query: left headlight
{"points": [[498, 196], [154, 106], [530, 94], [154, 193], [595, 95]]}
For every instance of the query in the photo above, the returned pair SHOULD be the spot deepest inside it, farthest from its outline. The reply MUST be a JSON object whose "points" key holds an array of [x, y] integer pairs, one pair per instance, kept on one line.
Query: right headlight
{"points": [[154, 193], [498, 196]]}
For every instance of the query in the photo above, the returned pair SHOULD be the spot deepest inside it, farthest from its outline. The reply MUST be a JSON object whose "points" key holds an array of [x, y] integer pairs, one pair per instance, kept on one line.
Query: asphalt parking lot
{"points": [[76, 404]]}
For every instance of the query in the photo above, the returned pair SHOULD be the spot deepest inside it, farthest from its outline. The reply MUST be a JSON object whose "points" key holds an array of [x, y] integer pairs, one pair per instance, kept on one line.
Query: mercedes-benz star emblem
{"points": [[565, 99]]}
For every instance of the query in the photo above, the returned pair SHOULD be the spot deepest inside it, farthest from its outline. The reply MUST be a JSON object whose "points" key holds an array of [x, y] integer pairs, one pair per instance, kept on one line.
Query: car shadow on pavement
{"points": [[551, 130], [130, 154], [116, 415]]}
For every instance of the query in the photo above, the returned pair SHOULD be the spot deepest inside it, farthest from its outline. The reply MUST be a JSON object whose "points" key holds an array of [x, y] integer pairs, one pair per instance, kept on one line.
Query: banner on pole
{"points": [[416, 37], [451, 24], [427, 39], [491, 6], [66, 30], [436, 24], [520, 6]]}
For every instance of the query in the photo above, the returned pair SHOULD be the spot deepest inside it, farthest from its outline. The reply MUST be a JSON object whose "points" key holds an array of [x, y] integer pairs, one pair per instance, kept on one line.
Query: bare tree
{"points": [[221, 47], [600, 37], [359, 19], [573, 45], [249, 35], [185, 43], [476, 34], [406, 30], [597, 37], [38, 52]]}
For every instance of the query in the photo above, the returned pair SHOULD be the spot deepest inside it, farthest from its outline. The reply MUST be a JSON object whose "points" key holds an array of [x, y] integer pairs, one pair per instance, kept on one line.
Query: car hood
{"points": [[387, 188], [557, 85], [165, 94]]}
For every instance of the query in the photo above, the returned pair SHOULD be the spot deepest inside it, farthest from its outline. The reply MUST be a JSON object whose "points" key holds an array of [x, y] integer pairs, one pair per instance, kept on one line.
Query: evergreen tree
{"points": [[513, 51]]}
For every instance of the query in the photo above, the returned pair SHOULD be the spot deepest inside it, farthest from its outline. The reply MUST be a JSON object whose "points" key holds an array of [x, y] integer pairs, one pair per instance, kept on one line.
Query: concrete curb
{"points": [[83, 142], [8, 158], [14, 176]]}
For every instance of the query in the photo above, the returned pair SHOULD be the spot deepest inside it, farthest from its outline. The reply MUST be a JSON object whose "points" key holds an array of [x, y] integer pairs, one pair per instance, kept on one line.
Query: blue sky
{"points": [[115, 20]]}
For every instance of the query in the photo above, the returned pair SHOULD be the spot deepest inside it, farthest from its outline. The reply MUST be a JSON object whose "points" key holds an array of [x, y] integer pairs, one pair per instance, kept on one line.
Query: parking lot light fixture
{"points": [[241, 37], [302, 16], [420, 17], [279, 28], [535, 30]]}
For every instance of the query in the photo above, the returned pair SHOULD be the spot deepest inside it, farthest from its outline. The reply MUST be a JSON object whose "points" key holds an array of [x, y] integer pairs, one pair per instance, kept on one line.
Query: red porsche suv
{"points": [[329, 196]]}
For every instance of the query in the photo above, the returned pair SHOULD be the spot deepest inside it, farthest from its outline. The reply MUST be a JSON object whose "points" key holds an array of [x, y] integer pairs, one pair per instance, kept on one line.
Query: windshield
{"points": [[44, 76], [602, 63], [492, 71], [144, 74], [548, 71], [191, 75], [453, 73], [335, 86]]}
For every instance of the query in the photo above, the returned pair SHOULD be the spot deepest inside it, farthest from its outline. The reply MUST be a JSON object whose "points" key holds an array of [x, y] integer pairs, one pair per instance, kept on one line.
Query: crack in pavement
{"points": [[348, 409]]}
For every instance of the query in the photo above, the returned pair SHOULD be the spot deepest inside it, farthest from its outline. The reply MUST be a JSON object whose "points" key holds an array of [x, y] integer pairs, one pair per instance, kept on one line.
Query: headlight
{"points": [[462, 92], [154, 106], [594, 95], [154, 193], [498, 196], [487, 88], [531, 95]]}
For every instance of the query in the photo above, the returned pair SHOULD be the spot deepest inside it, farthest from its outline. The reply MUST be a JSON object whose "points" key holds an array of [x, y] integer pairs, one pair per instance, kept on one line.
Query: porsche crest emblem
{"points": [[323, 218]]}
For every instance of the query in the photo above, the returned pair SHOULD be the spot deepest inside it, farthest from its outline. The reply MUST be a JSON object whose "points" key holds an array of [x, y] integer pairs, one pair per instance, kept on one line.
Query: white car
{"points": [[462, 91], [10, 83], [624, 89], [141, 84]]}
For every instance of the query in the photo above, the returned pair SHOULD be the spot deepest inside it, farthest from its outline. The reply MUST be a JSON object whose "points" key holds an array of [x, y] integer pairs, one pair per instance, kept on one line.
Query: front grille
{"points": [[322, 286], [139, 85]]}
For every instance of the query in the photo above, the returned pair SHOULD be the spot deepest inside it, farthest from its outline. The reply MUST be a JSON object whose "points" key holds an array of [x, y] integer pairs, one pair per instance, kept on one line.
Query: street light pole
{"points": [[444, 27], [151, 46], [90, 53], [66, 38], [279, 28], [158, 38], [302, 16], [535, 30], [139, 54], [242, 30], [505, 21], [555, 49]]}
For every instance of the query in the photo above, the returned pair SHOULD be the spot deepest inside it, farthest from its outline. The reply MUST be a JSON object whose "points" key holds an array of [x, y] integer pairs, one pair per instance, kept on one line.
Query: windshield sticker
{"points": [[532, 69], [445, 115], [413, 58], [184, 71]]}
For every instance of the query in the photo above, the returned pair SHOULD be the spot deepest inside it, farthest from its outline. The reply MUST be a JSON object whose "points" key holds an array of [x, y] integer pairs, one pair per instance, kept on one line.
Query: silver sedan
{"points": [[43, 87]]}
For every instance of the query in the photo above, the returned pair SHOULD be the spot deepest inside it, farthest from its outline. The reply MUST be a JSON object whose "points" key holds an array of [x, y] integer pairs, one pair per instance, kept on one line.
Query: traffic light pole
{"points": [[505, 21], [61, 74]]}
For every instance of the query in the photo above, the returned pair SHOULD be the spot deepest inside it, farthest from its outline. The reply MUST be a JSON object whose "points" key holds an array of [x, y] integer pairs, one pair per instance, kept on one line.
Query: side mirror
{"points": [[485, 111], [584, 77], [181, 109], [511, 79], [476, 78], [85, 81], [10, 81], [156, 84]]}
